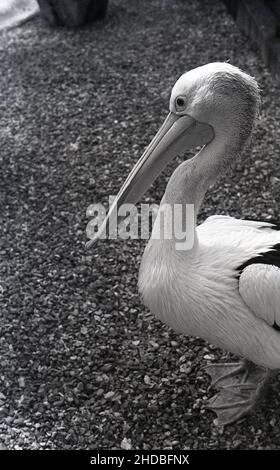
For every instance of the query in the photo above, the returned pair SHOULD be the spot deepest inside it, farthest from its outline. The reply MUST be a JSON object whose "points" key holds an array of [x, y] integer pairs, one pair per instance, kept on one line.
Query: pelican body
{"points": [[226, 288], [205, 292]]}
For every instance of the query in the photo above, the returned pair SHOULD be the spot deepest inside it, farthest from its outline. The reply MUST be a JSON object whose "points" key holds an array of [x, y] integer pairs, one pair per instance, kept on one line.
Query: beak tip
{"points": [[90, 243]]}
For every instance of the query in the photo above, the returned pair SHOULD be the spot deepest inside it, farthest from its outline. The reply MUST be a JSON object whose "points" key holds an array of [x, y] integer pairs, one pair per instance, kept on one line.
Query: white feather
{"points": [[259, 286], [197, 292]]}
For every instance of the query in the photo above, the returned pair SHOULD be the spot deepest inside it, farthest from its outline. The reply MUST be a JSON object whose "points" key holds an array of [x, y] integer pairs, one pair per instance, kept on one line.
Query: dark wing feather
{"points": [[271, 257]]}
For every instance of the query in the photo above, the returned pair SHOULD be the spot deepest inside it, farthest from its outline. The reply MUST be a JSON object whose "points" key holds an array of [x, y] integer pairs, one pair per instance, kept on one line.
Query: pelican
{"points": [[226, 287]]}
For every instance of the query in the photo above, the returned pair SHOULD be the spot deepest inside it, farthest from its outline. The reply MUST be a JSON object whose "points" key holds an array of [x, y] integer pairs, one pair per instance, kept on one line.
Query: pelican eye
{"points": [[180, 103]]}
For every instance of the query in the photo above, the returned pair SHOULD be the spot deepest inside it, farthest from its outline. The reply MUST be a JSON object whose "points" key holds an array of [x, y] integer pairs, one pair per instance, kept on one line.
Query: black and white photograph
{"points": [[140, 230]]}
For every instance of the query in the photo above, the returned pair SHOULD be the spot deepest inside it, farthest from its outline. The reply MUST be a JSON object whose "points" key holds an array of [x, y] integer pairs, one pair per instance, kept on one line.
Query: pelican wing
{"points": [[258, 243], [231, 223], [259, 286]]}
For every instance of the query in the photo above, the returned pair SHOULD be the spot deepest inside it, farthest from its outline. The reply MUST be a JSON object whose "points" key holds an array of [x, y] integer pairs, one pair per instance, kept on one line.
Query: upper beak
{"points": [[176, 135]]}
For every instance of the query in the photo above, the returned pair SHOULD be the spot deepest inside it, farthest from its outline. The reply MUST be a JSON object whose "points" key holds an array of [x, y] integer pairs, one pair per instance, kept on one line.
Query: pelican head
{"points": [[215, 104], [220, 95]]}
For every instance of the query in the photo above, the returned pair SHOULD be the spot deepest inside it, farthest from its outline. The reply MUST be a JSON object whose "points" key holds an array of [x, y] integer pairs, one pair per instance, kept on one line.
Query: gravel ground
{"points": [[83, 364]]}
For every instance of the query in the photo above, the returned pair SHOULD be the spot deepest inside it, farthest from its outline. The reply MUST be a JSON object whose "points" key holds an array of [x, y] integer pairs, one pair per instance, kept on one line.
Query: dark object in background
{"points": [[72, 13], [274, 5], [232, 7], [260, 21]]}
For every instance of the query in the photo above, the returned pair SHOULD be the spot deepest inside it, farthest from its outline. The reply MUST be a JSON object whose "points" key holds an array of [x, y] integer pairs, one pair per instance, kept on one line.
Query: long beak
{"points": [[176, 135]]}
